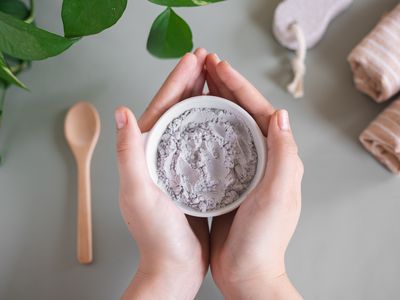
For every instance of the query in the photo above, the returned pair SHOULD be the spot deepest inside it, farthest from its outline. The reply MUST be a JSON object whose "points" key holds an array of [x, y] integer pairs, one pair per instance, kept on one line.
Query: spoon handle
{"points": [[84, 226]]}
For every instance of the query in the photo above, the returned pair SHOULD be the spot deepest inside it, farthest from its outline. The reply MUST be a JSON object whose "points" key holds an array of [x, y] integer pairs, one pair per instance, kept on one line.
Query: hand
{"points": [[248, 246], [174, 248]]}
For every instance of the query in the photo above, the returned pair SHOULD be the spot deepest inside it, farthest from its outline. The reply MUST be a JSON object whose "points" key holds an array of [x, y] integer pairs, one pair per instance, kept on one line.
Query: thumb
{"points": [[284, 166], [130, 150]]}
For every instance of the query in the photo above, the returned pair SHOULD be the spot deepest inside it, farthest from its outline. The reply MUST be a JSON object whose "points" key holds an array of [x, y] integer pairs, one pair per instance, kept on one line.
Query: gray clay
{"points": [[206, 158]]}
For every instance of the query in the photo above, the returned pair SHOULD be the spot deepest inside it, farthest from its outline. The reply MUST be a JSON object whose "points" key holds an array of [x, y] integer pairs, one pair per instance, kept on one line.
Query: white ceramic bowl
{"points": [[153, 137]]}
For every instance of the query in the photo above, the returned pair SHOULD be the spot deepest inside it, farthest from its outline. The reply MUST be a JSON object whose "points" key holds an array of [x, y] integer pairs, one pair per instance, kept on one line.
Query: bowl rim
{"points": [[152, 139]]}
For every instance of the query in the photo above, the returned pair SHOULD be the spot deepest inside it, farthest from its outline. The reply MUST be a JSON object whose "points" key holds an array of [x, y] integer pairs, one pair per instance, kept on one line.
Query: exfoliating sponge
{"points": [[300, 25], [312, 16]]}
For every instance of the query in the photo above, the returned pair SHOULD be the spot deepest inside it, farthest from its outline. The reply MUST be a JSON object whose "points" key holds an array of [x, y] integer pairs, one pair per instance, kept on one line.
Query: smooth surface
{"points": [[82, 130], [347, 244], [154, 136]]}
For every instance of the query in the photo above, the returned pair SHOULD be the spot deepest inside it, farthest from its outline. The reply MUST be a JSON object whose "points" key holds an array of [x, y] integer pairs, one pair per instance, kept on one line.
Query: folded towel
{"points": [[382, 137], [376, 60]]}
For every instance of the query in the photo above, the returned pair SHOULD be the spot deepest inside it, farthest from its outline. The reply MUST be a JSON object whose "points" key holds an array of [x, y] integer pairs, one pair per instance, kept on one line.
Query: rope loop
{"points": [[296, 87]]}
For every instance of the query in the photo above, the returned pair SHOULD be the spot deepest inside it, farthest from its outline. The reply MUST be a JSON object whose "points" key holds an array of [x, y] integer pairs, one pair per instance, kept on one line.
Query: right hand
{"points": [[174, 248], [248, 245]]}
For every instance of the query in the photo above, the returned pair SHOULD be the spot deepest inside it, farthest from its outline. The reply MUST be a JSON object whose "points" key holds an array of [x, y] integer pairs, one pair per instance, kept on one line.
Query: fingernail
{"points": [[120, 118], [217, 57], [199, 50], [283, 120]]}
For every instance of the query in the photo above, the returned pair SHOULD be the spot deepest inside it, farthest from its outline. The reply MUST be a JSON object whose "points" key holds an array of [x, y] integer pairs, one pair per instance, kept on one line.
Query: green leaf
{"points": [[86, 17], [15, 8], [7, 75], [26, 41], [170, 36], [185, 3]]}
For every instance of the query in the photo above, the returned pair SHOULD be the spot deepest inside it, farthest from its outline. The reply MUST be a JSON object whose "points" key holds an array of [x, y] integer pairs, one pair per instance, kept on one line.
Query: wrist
{"points": [[240, 276], [164, 283], [262, 287]]}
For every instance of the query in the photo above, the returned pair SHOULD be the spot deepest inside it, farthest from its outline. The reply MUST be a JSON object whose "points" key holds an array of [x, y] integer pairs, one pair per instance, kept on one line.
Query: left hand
{"points": [[174, 248]]}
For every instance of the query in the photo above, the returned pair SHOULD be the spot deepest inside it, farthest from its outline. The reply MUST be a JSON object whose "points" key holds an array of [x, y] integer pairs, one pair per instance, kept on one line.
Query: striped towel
{"points": [[376, 60], [382, 137]]}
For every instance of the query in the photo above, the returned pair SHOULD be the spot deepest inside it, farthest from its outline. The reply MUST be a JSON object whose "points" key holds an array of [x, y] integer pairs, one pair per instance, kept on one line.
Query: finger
{"points": [[212, 87], [245, 94], [196, 79], [130, 151], [170, 92], [198, 88], [284, 168], [219, 87]]}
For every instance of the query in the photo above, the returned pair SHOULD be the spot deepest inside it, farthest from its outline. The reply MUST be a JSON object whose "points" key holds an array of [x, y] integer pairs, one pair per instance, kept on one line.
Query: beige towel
{"points": [[376, 60], [382, 137]]}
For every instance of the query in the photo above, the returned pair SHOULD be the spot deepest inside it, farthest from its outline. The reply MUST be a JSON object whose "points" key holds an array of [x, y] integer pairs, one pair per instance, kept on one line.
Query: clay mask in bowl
{"points": [[207, 154]]}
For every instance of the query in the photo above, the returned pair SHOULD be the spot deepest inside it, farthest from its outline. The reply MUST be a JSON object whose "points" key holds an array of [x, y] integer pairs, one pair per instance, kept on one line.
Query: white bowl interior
{"points": [[154, 135]]}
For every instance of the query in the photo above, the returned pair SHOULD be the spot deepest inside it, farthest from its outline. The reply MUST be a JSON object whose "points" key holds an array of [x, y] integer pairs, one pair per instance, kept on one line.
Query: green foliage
{"points": [[170, 36], [23, 41], [14, 8], [86, 17], [184, 3], [26, 41], [19, 10]]}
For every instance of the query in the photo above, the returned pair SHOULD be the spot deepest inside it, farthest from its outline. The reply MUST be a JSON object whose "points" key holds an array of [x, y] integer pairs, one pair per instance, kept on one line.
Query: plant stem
{"points": [[31, 16], [2, 97], [21, 66]]}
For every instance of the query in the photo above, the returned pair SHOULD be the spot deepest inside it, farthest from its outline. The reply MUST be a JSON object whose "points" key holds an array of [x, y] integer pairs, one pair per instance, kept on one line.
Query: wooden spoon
{"points": [[82, 129]]}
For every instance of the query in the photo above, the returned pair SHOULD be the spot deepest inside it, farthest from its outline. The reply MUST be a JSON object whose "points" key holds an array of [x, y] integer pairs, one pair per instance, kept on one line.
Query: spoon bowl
{"points": [[82, 126]]}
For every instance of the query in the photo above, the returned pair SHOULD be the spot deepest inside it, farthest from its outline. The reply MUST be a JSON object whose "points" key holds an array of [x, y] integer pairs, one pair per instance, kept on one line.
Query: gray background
{"points": [[347, 244]]}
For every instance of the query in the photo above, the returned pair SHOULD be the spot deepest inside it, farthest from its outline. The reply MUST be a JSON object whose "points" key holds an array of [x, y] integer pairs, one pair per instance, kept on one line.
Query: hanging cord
{"points": [[298, 63]]}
